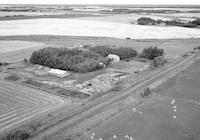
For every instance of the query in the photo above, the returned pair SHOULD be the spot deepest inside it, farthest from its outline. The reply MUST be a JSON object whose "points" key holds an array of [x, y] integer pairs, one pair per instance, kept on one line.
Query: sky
{"points": [[179, 2]]}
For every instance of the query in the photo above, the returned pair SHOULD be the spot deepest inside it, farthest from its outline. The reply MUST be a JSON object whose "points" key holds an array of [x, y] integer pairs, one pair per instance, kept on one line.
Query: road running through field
{"points": [[19, 103]]}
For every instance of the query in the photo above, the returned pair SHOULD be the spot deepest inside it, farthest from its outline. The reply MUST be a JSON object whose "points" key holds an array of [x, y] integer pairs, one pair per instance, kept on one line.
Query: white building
{"points": [[114, 58], [59, 73]]}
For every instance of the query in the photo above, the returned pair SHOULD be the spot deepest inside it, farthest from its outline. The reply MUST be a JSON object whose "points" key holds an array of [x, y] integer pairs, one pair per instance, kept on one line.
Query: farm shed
{"points": [[58, 73], [114, 58]]}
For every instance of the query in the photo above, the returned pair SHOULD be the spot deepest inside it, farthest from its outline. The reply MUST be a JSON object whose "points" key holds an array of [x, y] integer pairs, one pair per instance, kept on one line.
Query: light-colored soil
{"points": [[75, 27]]}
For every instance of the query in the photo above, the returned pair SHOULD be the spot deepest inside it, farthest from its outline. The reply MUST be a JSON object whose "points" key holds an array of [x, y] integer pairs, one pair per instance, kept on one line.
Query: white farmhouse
{"points": [[58, 73], [114, 58]]}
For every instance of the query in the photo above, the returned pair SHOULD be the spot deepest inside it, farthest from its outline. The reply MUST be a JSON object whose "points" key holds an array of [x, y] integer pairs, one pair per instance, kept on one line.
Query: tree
{"points": [[159, 61], [196, 22], [152, 52], [146, 92], [25, 60], [123, 52]]}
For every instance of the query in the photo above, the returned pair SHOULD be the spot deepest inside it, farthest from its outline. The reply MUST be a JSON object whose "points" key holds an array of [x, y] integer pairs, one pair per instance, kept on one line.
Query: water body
{"points": [[76, 27]]}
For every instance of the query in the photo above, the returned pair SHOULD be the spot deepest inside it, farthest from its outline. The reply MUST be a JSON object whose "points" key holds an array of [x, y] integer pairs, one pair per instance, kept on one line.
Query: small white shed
{"points": [[58, 72], [114, 58]]}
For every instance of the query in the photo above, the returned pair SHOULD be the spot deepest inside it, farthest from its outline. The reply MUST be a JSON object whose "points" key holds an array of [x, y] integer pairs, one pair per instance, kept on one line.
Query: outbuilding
{"points": [[58, 72], [114, 58]]}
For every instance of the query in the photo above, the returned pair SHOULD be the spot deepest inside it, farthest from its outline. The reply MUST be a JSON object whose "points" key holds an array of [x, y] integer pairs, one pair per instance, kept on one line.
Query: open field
{"points": [[9, 46], [19, 104], [152, 120], [14, 51], [74, 27], [184, 85]]}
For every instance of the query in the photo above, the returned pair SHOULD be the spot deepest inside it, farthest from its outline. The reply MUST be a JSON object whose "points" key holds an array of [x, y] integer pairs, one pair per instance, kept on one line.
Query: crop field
{"points": [[19, 104], [172, 113]]}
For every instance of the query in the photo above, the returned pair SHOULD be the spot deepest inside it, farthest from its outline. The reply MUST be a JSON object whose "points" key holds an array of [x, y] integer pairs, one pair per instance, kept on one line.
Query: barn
{"points": [[58, 72], [114, 58]]}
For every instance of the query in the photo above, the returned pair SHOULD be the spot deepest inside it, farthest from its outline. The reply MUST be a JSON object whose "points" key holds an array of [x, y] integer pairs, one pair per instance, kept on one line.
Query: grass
{"points": [[15, 51], [153, 120], [184, 85], [10, 46]]}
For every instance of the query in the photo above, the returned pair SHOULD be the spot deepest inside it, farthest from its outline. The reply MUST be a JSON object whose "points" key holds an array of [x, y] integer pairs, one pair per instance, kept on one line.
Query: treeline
{"points": [[150, 21], [122, 52], [68, 59]]}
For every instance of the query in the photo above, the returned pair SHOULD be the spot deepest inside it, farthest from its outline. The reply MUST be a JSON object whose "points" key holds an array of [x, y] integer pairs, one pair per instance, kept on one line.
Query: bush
{"points": [[146, 92], [159, 61], [197, 48], [152, 52], [4, 63], [13, 77], [68, 59], [25, 60], [123, 52]]}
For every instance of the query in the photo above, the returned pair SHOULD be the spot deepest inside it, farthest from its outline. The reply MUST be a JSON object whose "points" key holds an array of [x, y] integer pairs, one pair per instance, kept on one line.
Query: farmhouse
{"points": [[58, 73], [114, 58]]}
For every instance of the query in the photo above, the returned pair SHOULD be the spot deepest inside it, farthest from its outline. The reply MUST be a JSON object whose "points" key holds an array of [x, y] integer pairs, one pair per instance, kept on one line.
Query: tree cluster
{"points": [[196, 22], [152, 52], [146, 21], [75, 60], [149, 21], [123, 52]]}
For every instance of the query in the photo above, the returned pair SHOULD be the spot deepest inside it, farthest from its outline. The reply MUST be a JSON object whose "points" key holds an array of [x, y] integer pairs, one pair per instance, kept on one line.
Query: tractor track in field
{"points": [[20, 103]]}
